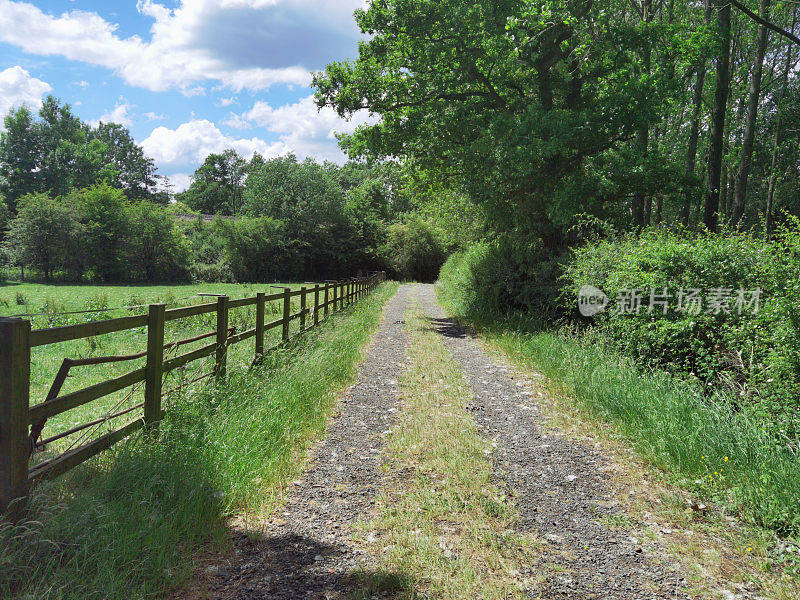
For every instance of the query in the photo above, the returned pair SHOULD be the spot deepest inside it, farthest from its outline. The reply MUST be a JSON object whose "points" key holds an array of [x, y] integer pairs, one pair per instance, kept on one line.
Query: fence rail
{"points": [[21, 424]]}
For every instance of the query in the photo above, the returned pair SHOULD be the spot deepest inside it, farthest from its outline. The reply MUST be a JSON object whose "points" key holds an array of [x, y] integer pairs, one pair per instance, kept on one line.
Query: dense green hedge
{"points": [[752, 356]]}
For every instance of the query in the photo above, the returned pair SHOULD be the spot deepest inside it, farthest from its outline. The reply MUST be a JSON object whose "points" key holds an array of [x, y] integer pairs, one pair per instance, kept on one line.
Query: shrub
{"points": [[495, 277], [414, 251], [45, 235], [156, 250], [749, 355]]}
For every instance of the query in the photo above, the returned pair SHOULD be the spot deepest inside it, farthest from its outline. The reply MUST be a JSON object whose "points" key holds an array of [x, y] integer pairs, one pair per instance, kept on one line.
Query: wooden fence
{"points": [[21, 424]]}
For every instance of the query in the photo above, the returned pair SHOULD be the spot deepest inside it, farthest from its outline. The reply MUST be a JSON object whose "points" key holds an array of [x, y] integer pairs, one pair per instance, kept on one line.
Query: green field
{"points": [[49, 302]]}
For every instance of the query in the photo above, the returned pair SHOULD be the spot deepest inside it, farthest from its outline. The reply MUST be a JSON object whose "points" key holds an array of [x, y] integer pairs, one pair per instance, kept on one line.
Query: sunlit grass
{"points": [[53, 299]]}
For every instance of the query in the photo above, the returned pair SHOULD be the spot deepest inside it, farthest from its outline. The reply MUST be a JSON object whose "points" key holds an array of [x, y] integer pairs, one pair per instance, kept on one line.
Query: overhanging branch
{"points": [[761, 21]]}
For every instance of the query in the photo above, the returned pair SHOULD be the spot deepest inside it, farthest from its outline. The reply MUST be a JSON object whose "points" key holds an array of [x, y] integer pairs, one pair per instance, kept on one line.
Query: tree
{"points": [[748, 137], [134, 173], [307, 198], [155, 250], [57, 152], [45, 235], [70, 157], [511, 102], [5, 213], [20, 155], [103, 212], [217, 185], [414, 251], [722, 60]]}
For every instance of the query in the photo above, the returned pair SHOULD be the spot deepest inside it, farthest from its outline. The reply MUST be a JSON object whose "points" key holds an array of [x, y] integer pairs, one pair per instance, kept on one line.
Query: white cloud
{"points": [[180, 182], [151, 116], [83, 83], [191, 142], [18, 88], [118, 115], [243, 44], [223, 102], [305, 129], [237, 122]]}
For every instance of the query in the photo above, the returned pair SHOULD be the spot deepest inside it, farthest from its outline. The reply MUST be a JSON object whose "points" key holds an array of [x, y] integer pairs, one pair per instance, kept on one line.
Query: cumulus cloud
{"points": [[191, 142], [119, 114], [305, 129], [180, 182], [223, 102], [151, 116], [243, 44], [18, 88]]}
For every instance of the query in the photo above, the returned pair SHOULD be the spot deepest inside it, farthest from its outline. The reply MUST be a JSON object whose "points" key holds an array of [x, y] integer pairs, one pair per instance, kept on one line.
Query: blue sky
{"points": [[188, 77]]}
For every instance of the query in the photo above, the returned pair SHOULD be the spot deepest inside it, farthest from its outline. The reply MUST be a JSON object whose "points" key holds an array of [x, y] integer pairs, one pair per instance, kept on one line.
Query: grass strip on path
{"points": [[126, 524], [442, 527]]}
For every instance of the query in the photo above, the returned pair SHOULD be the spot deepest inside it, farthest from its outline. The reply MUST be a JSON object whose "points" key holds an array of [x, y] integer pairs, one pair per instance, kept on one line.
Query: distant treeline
{"points": [[83, 203]]}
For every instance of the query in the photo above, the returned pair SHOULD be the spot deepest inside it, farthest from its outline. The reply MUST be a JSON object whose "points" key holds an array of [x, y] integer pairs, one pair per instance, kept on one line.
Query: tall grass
{"points": [[125, 525], [705, 443]]}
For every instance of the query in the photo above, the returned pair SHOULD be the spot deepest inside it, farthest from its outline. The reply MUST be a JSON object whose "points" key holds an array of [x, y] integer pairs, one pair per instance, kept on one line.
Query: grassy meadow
{"points": [[49, 302], [127, 523]]}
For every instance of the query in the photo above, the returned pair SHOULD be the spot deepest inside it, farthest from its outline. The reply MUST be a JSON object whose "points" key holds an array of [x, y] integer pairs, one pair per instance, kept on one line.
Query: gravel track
{"points": [[559, 486], [305, 552]]}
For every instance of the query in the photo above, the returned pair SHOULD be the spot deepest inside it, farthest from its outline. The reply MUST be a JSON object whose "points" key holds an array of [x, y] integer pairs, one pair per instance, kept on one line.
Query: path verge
{"points": [[304, 550]]}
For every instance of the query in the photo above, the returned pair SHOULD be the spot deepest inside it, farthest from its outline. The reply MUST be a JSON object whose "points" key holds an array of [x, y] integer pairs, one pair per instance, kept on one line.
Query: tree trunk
{"points": [[642, 204], [710, 215], [694, 136], [745, 162], [773, 172]]}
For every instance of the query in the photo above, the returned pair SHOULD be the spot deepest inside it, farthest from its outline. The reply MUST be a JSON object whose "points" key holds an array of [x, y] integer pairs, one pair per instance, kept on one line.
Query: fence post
{"points": [[15, 377], [302, 308], [154, 369], [260, 309], [221, 359], [316, 304], [287, 302], [335, 300], [327, 308]]}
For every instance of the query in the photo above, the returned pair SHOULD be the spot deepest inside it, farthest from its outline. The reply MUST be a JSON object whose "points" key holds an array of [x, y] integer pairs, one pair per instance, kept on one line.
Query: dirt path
{"points": [[559, 486], [306, 552]]}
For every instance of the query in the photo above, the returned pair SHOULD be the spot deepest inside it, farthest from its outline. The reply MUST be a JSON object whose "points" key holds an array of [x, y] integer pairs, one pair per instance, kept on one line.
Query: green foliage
{"points": [[502, 275], [97, 233], [133, 172], [515, 103], [57, 153], [414, 251], [45, 235], [254, 248], [103, 211], [752, 357], [155, 248], [217, 185]]}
